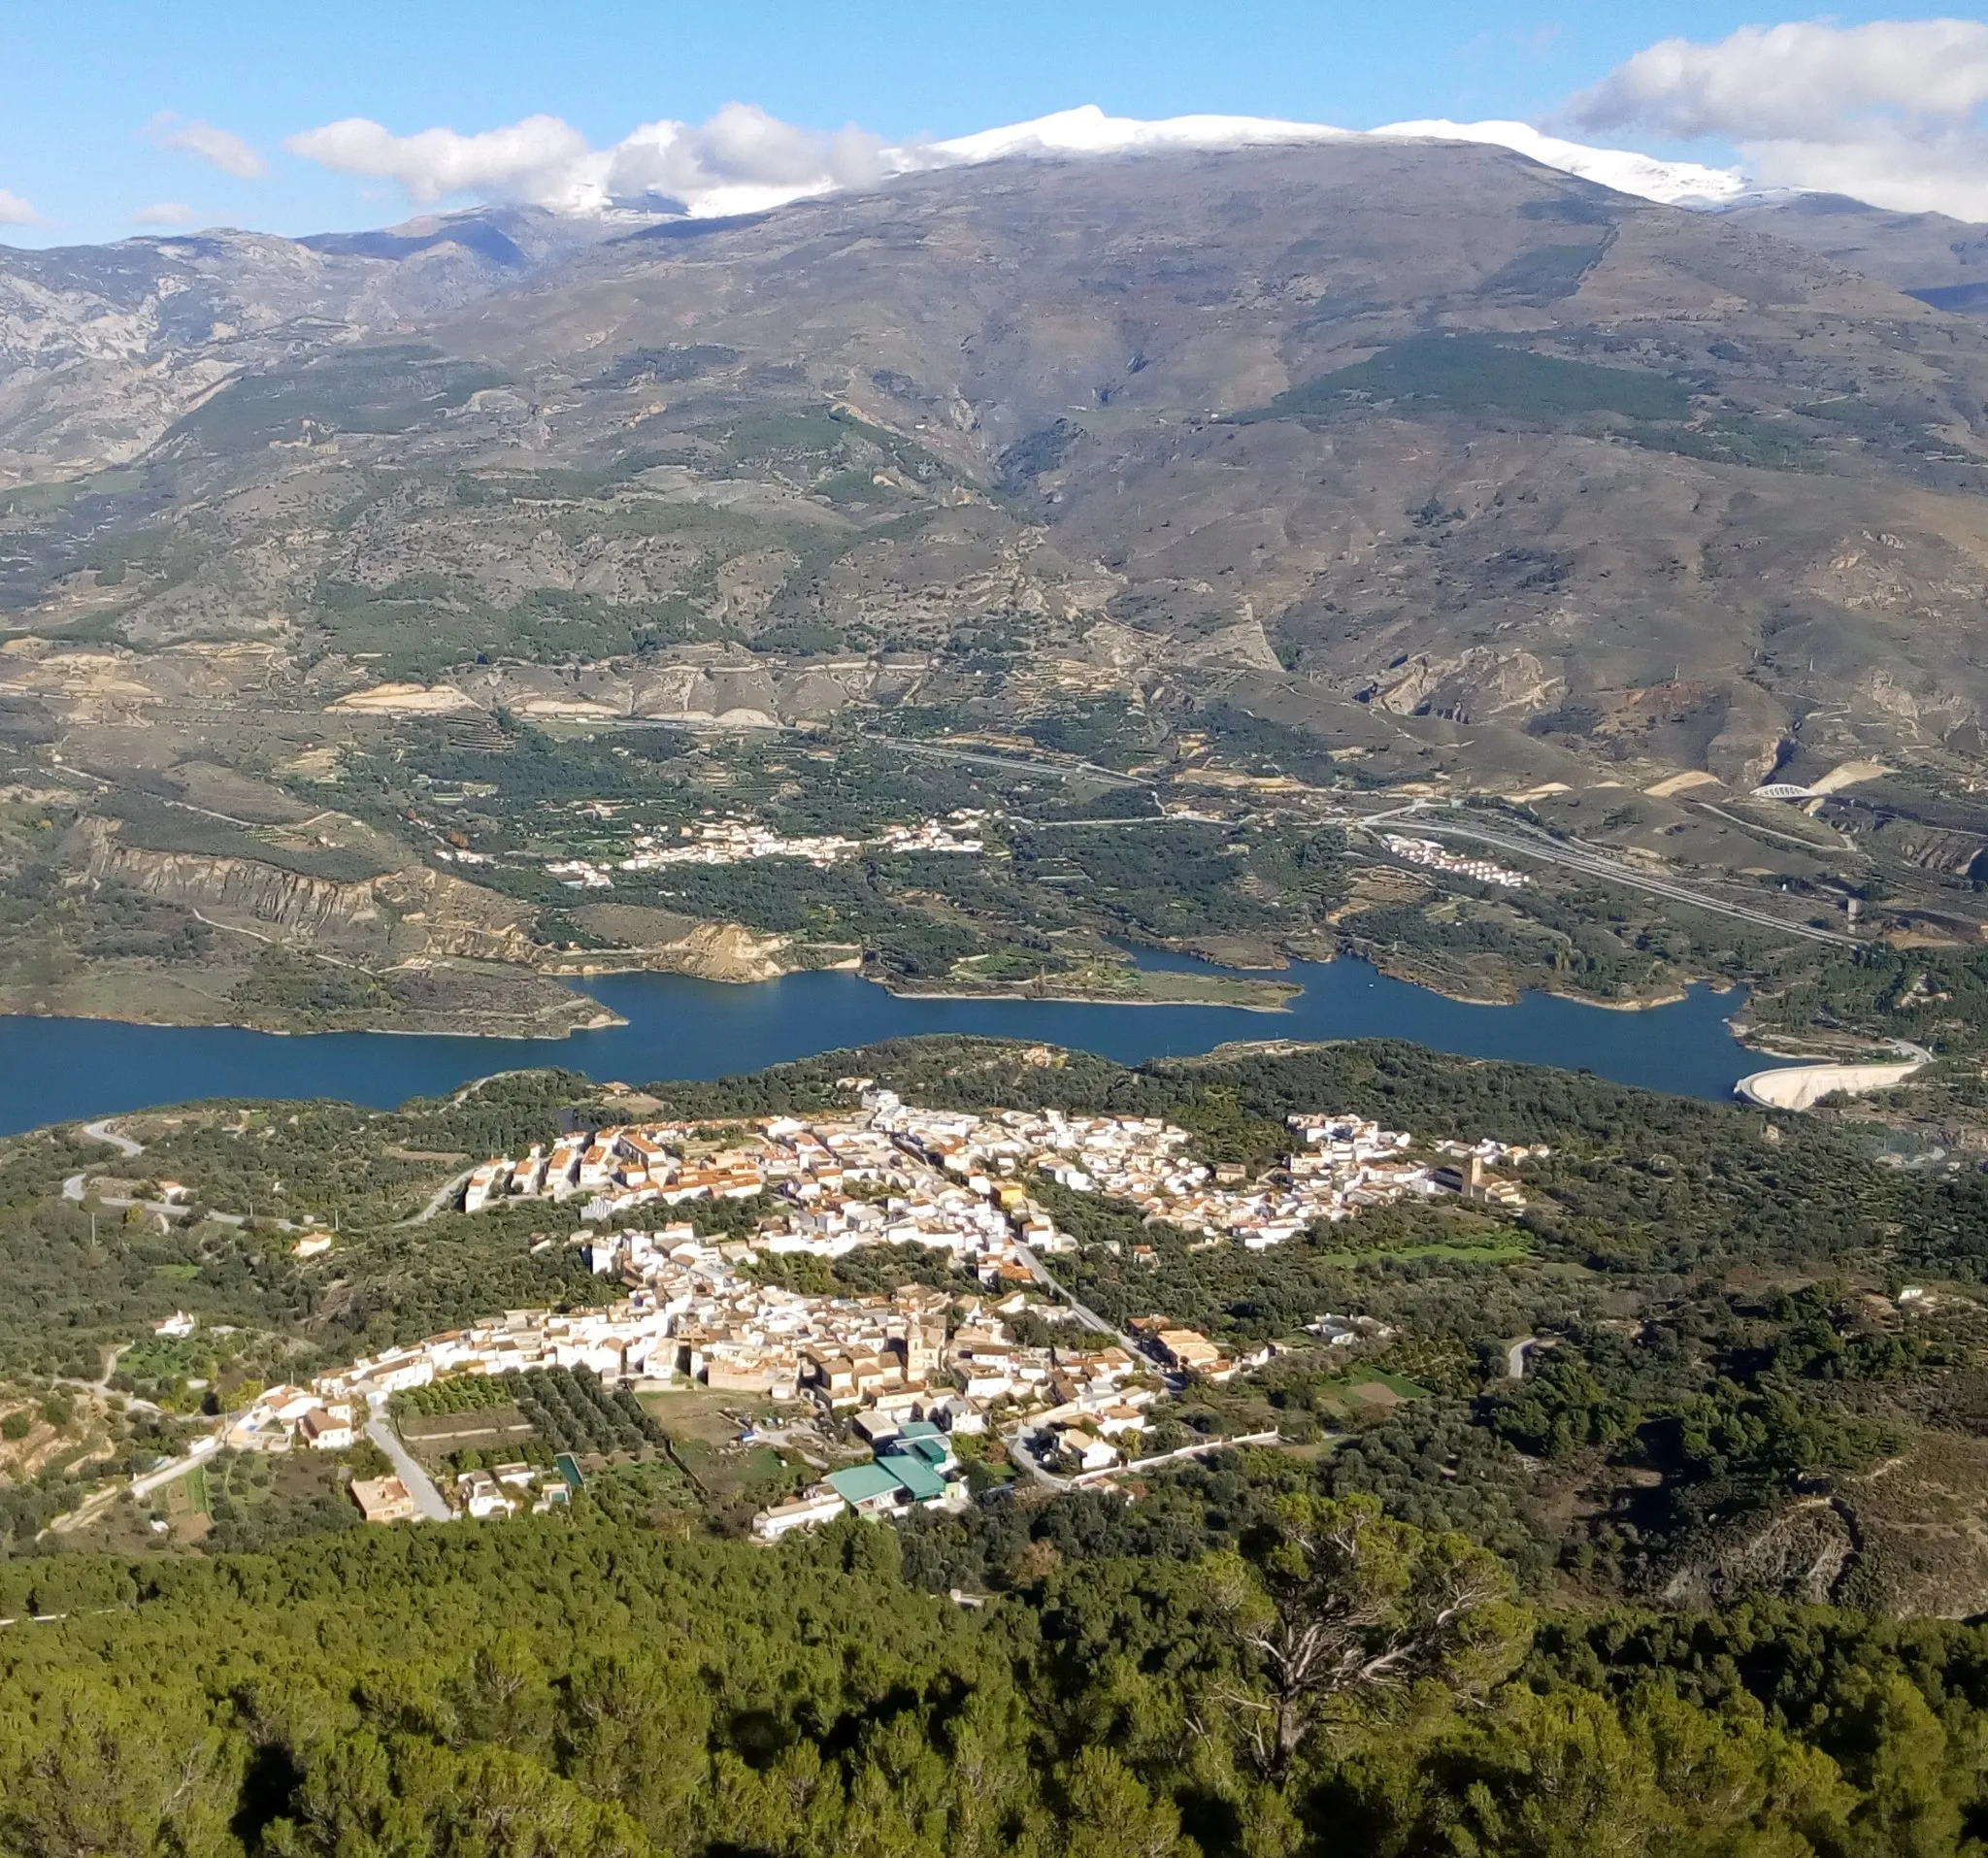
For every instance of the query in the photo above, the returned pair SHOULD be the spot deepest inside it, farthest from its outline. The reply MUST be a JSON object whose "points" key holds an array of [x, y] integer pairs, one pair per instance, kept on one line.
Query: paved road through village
{"points": [[420, 1486]]}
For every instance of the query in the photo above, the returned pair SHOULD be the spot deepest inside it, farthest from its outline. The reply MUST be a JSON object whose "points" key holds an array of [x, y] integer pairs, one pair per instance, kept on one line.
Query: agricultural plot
{"points": [[467, 1413], [571, 1410], [1369, 1392], [440, 1434]]}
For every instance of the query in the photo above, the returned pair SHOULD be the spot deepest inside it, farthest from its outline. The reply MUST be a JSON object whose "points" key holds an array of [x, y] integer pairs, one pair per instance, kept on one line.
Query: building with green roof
{"points": [[868, 1489], [922, 1482]]}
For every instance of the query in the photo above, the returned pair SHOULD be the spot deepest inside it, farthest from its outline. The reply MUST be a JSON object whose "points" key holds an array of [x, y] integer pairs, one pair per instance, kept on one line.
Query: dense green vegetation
{"points": [[1486, 374], [1331, 1682], [50, 929], [571, 1410], [79, 1282], [1637, 1184], [1398, 1634], [460, 1393], [1752, 1373], [1935, 997]]}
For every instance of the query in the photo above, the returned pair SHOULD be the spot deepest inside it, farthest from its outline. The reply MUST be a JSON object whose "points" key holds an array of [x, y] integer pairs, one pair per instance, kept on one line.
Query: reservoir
{"points": [[62, 1070]]}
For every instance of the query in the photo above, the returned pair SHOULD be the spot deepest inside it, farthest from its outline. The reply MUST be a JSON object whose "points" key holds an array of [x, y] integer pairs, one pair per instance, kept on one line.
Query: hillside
{"points": [[1398, 465], [1939, 260], [1655, 1513], [1106, 391]]}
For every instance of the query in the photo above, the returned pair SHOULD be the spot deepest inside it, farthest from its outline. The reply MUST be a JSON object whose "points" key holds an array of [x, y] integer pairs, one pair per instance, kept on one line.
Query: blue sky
{"points": [[84, 80]]}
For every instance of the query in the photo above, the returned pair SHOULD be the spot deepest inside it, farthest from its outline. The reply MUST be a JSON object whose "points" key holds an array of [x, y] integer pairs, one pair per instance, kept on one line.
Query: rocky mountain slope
{"points": [[1939, 260], [1420, 463], [103, 347], [1426, 427]]}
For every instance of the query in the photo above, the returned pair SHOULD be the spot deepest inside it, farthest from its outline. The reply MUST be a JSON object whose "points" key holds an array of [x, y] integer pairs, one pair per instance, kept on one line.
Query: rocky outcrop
{"points": [[451, 917], [1478, 681], [102, 347], [658, 943], [1802, 1553], [240, 889]]}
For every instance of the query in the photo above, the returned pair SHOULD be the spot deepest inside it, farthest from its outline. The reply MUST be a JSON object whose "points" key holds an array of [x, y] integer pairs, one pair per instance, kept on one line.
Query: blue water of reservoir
{"points": [[61, 1070]]}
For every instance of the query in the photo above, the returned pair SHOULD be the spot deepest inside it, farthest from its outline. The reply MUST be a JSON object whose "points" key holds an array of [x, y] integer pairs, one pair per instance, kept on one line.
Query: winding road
{"points": [[444, 1195], [101, 1131], [76, 1186]]}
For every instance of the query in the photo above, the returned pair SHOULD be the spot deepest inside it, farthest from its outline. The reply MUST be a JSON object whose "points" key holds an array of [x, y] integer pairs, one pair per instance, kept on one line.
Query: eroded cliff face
{"points": [[451, 917], [236, 891], [400, 916], [659, 943], [418, 915]]}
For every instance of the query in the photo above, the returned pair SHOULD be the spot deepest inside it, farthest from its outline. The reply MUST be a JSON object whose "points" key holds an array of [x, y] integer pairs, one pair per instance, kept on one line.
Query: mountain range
{"points": [[1369, 425]]}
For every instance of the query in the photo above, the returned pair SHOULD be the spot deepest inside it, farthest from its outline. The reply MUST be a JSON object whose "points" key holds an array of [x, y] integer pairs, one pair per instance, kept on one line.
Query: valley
{"points": [[1115, 987], [1378, 474]]}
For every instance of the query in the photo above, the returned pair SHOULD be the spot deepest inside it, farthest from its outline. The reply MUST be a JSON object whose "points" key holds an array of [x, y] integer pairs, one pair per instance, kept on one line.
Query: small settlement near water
{"points": [[914, 1370]]}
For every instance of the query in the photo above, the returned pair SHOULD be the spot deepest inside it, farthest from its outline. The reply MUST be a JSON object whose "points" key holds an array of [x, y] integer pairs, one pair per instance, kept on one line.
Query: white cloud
{"points": [[1889, 112], [163, 213], [742, 150], [540, 159], [16, 212], [740, 160], [744, 160], [221, 147]]}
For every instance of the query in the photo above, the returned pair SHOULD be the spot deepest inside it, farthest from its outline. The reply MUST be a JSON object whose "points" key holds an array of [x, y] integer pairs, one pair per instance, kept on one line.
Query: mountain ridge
{"points": [[1409, 429]]}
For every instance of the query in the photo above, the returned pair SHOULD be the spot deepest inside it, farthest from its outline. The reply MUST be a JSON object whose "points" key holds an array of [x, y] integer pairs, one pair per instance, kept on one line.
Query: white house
{"points": [[803, 1513]]}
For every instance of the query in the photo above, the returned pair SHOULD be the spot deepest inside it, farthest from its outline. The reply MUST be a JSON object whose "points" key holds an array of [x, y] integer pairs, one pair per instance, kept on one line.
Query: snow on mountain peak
{"points": [[1675, 183], [1089, 131]]}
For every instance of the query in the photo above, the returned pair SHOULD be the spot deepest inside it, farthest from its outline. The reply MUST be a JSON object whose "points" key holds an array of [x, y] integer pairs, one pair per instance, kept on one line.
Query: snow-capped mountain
{"points": [[1677, 184], [1089, 131]]}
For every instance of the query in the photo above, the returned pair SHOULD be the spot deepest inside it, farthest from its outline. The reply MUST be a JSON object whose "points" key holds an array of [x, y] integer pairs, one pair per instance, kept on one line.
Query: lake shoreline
{"points": [[668, 1026], [1094, 1000], [608, 1020]]}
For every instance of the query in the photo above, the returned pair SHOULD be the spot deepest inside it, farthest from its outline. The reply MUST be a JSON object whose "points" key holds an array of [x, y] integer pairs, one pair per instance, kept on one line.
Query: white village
{"points": [[735, 840], [908, 1372]]}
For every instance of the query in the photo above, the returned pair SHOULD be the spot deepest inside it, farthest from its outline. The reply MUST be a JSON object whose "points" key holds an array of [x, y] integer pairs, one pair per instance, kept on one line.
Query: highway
{"points": [[1012, 764], [1524, 842]]}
